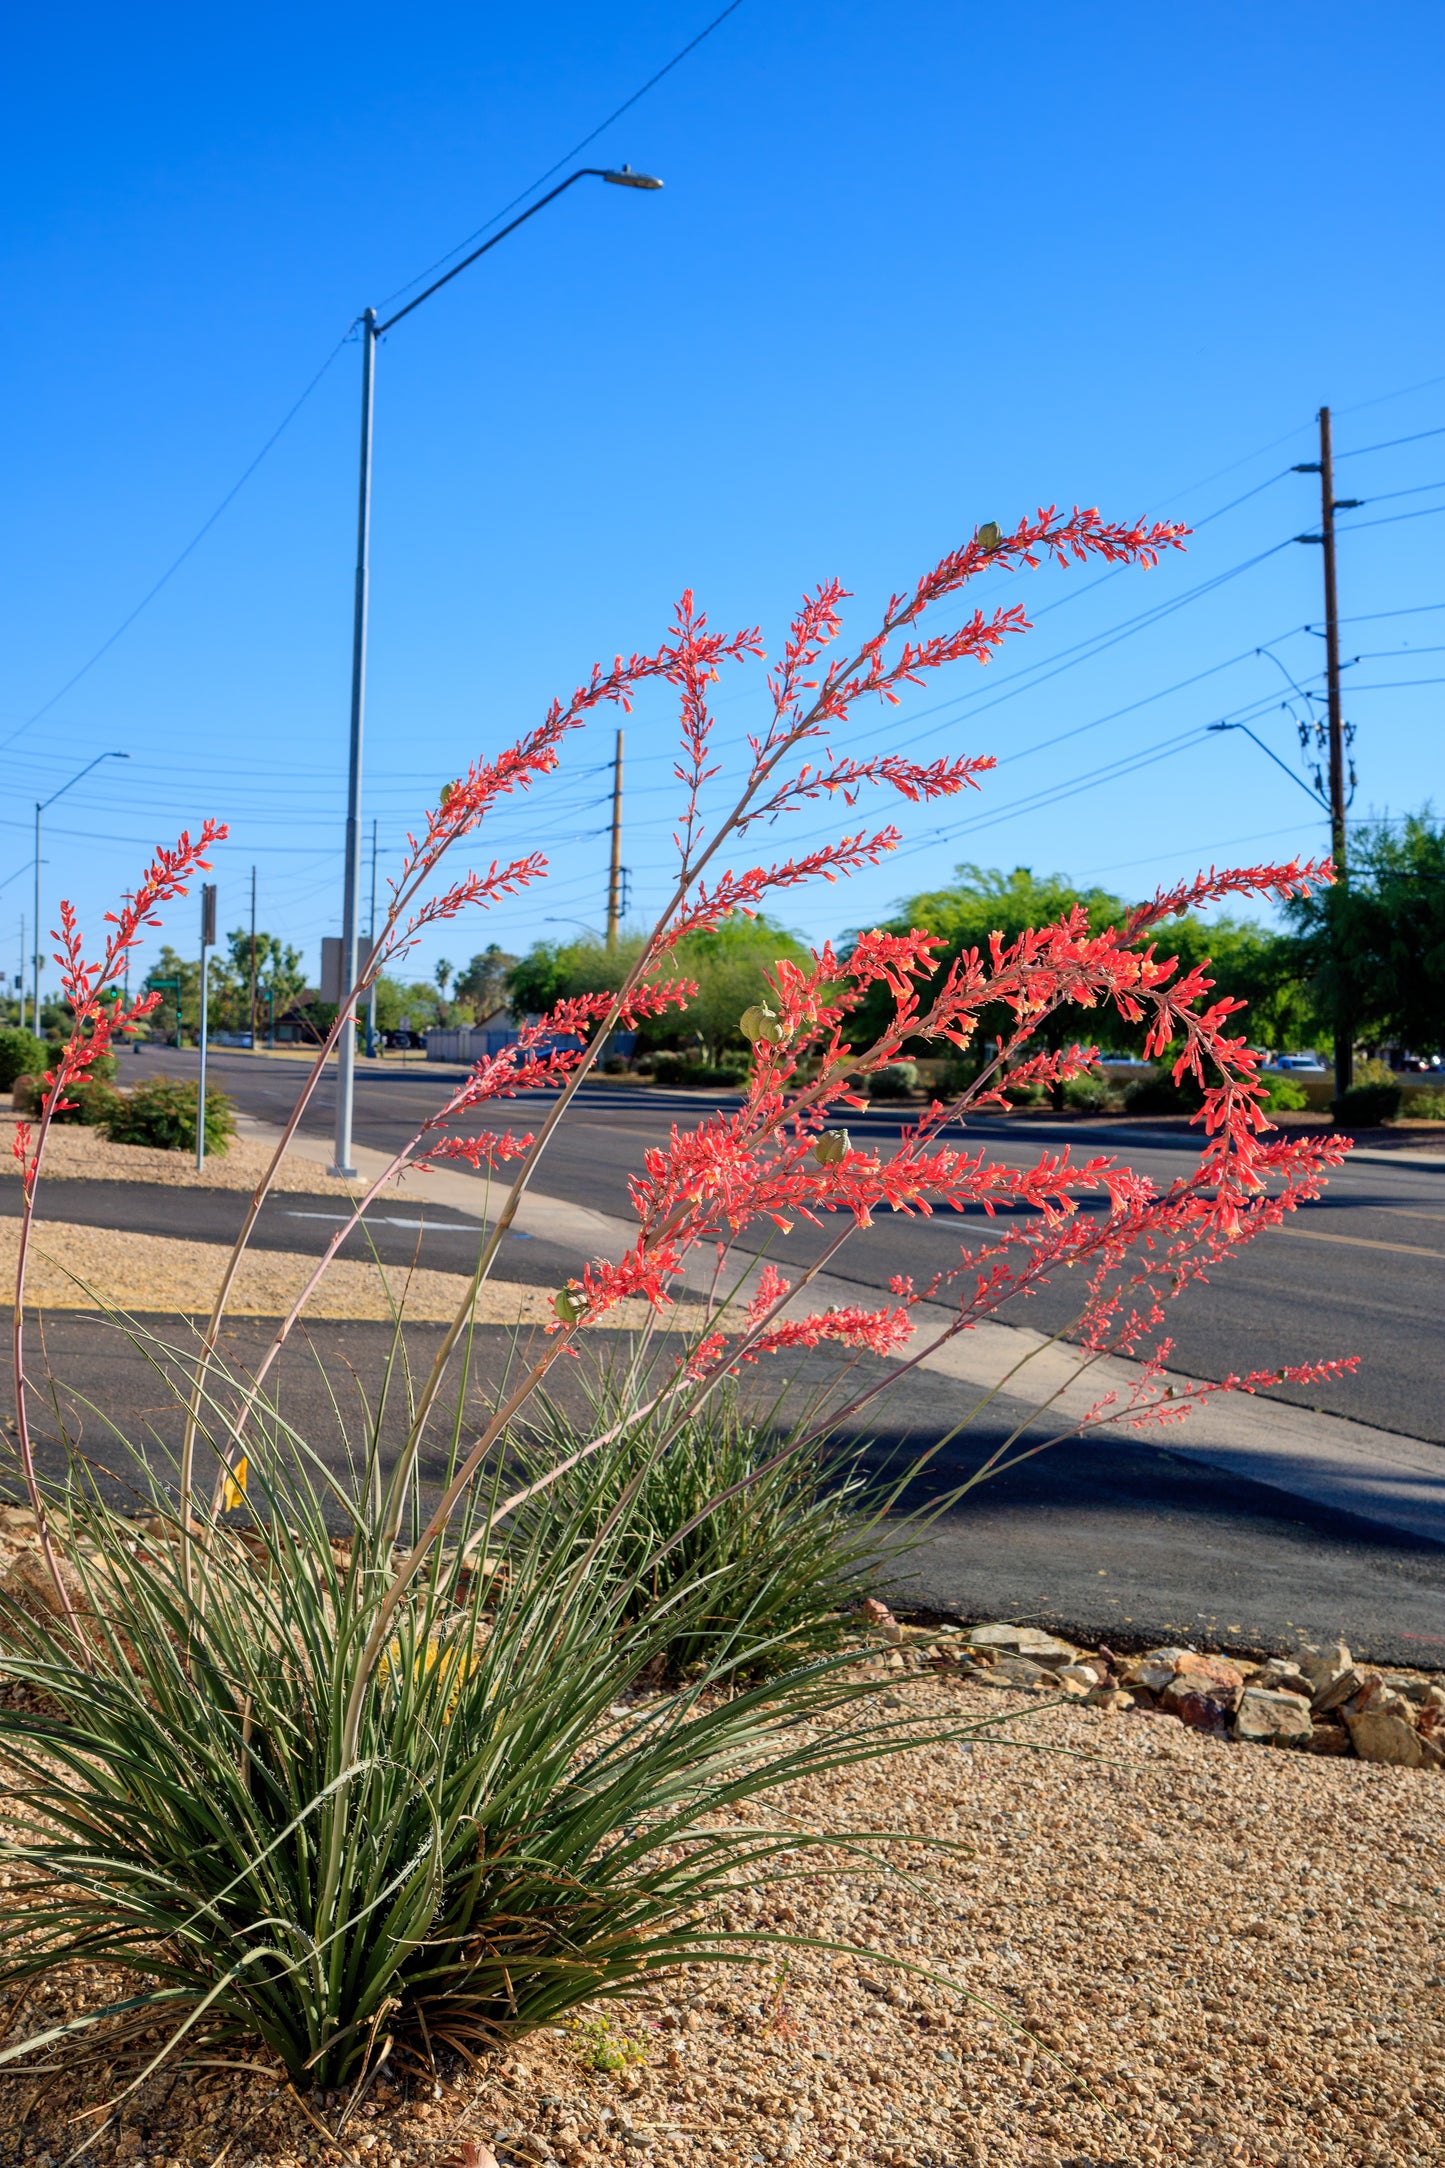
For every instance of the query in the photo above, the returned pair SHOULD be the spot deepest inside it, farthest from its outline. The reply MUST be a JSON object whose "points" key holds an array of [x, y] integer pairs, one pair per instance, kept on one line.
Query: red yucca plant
{"points": [[335, 1799]]}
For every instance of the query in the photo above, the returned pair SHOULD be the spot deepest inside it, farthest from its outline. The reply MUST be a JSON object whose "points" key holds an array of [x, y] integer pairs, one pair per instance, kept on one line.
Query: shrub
{"points": [[1089, 1094], [21, 1054], [673, 1070], [898, 1080], [1286, 1095], [326, 1795], [161, 1112], [1426, 1106], [1159, 1094], [503, 1848], [91, 1099], [1366, 1106], [757, 1584]]}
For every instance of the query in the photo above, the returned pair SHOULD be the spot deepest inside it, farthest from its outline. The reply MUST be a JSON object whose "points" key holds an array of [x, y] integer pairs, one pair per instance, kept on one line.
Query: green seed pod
{"points": [[990, 535], [762, 1023], [833, 1145], [571, 1305]]}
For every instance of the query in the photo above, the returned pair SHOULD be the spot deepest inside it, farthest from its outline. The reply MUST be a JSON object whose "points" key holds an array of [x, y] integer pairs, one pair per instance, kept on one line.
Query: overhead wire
{"points": [[566, 158]]}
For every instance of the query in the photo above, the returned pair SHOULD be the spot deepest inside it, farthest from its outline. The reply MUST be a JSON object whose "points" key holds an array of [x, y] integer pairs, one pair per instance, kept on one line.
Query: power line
{"points": [[1390, 442], [566, 158]]}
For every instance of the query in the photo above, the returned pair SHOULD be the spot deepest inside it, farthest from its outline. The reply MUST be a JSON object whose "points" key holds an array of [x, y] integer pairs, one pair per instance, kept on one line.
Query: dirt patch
{"points": [[75, 1153], [87, 1268]]}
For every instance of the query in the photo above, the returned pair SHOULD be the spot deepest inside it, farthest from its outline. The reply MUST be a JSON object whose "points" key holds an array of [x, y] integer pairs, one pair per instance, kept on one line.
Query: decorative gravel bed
{"points": [[1179, 1949], [79, 1154], [77, 1268]]}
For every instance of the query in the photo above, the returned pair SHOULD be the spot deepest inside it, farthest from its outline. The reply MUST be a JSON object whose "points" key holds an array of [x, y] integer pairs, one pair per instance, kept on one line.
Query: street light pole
{"points": [[39, 809], [371, 331]]}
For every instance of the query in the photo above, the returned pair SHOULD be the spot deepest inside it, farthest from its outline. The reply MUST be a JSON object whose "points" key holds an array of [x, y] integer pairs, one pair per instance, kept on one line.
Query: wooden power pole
{"points": [[614, 876], [1344, 1053]]}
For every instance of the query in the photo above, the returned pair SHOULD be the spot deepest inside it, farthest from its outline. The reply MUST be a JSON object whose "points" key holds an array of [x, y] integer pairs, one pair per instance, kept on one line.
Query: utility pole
{"points": [[370, 945], [1324, 467], [20, 981], [251, 1011], [614, 877]]}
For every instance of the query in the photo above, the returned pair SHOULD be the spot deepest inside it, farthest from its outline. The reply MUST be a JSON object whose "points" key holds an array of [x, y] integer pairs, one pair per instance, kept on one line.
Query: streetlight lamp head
{"points": [[624, 177]]}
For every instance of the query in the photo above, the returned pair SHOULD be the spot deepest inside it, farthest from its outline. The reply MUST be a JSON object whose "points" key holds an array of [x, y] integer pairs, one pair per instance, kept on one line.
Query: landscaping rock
{"points": [[1269, 1719], [1029, 1641], [1201, 1703], [1015, 1672], [1322, 1666], [1340, 1689], [1381, 1734], [1282, 1676], [1079, 1679], [1328, 1736]]}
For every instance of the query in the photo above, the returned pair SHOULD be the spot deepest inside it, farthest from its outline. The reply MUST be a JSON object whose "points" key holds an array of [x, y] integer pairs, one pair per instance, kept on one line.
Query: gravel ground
{"points": [[1176, 1950], [74, 1151], [85, 1268]]}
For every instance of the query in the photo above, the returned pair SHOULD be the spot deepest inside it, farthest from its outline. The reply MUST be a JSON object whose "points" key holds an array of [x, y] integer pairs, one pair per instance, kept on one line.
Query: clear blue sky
{"points": [[912, 269]]}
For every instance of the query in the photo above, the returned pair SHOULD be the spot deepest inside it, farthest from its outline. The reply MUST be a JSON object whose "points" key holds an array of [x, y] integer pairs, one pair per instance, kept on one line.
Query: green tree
{"points": [[279, 979], [484, 982], [1248, 961], [729, 966], [1375, 945]]}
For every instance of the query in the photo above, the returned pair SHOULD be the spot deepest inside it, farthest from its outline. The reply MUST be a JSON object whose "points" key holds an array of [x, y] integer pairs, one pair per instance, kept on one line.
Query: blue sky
{"points": [[911, 270]]}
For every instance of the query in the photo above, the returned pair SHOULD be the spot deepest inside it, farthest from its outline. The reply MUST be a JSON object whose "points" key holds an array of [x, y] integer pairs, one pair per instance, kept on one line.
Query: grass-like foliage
{"points": [[321, 1796], [774, 1540], [500, 1844]]}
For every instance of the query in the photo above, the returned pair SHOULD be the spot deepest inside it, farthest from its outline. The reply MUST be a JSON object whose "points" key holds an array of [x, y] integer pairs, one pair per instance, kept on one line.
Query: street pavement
{"points": [[1362, 1272], [1124, 1536]]}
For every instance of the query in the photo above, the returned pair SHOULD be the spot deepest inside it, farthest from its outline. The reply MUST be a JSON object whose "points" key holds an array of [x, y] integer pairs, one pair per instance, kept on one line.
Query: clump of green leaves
{"points": [[515, 1834], [753, 1553], [161, 1113], [602, 2048]]}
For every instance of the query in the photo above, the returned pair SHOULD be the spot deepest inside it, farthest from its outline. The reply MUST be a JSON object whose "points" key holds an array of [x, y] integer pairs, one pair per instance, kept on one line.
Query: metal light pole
{"points": [[39, 809], [371, 331], [208, 941]]}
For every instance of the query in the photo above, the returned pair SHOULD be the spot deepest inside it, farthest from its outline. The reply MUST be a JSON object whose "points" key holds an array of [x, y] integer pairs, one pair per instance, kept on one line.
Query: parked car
{"points": [[1308, 1064], [406, 1042]]}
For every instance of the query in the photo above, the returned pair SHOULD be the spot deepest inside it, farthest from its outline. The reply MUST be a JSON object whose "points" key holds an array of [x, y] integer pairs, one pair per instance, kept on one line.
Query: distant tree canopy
{"points": [[729, 966], [484, 982], [1377, 944], [1248, 961]]}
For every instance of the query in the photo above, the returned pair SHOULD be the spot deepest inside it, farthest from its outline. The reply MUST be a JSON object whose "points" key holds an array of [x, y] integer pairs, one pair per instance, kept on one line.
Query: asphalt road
{"points": [[1118, 1539], [1115, 1540], [1362, 1272]]}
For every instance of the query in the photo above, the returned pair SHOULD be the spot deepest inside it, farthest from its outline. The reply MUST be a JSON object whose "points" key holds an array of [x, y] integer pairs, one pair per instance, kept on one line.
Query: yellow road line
{"points": [[1362, 1242]]}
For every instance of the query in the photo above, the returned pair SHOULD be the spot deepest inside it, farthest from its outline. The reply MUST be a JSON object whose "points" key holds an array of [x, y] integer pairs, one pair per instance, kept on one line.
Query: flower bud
{"points": [[833, 1145], [762, 1023], [990, 535], [571, 1305]]}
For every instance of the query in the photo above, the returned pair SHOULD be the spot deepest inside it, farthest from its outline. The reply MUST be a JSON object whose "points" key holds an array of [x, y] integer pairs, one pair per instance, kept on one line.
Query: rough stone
{"points": [[1029, 1641], [1323, 1665], [1341, 1688], [1203, 1704], [1381, 1734], [1328, 1737], [1267, 1719], [1109, 1696], [1015, 1672], [1281, 1676], [1078, 1678]]}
